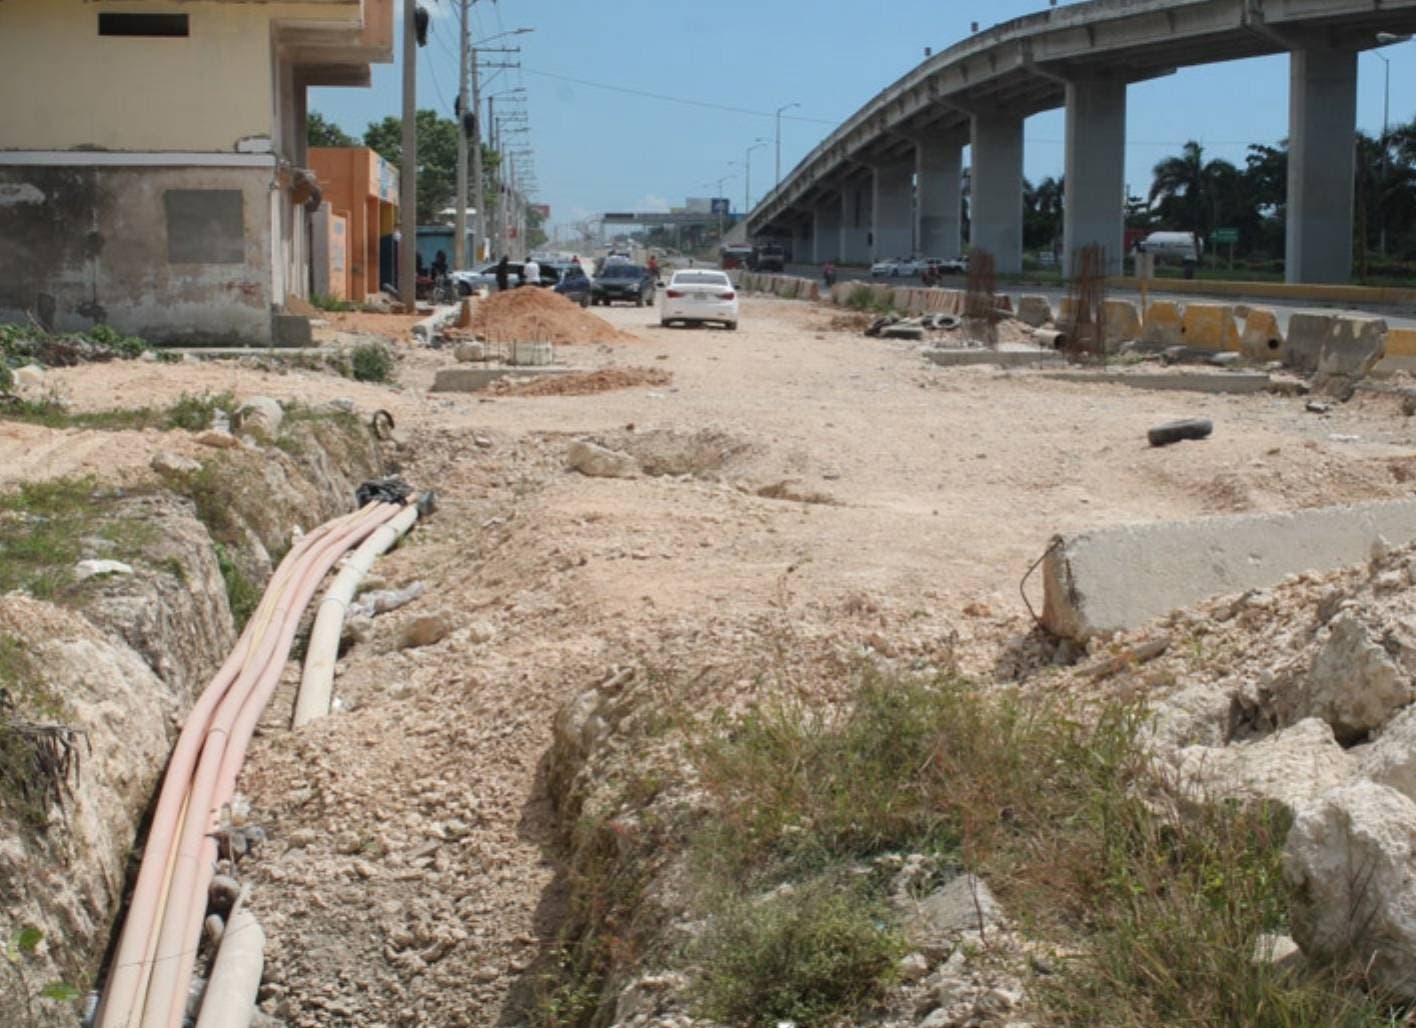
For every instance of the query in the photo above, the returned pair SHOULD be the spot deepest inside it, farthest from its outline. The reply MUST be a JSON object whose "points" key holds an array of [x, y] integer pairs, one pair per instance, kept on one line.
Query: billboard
{"points": [[721, 205], [543, 209]]}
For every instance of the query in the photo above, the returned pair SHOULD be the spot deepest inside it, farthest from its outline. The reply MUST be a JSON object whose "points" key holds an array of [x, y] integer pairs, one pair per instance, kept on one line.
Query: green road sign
{"points": [[1225, 235]]}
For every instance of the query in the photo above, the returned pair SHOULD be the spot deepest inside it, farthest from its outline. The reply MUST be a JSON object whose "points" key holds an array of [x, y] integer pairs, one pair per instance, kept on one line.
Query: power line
{"points": [[677, 99]]}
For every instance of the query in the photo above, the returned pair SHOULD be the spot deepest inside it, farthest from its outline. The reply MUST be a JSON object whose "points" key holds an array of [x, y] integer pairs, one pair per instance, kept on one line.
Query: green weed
{"points": [[242, 595], [371, 362]]}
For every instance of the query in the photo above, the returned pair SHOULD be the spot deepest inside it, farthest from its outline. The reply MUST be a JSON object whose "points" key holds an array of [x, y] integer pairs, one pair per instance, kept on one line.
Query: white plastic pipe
{"points": [[230, 998], [317, 680]]}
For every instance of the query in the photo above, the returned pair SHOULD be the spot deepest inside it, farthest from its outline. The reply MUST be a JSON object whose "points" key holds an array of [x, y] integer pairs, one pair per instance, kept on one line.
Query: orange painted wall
{"points": [[357, 180]]}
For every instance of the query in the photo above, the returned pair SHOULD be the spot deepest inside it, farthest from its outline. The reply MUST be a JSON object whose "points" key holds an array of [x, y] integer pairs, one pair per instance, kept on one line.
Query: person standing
{"points": [[828, 274], [503, 274], [531, 272]]}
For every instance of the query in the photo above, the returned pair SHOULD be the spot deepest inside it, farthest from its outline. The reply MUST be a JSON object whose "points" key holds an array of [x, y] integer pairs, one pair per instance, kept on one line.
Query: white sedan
{"points": [[696, 295]]}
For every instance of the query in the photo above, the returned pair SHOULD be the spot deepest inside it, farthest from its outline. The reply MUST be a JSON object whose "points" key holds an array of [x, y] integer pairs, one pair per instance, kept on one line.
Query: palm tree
{"points": [[1191, 189]]}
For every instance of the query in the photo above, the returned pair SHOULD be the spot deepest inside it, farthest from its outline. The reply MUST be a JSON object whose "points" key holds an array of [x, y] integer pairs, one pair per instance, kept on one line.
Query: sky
{"points": [[602, 149]]}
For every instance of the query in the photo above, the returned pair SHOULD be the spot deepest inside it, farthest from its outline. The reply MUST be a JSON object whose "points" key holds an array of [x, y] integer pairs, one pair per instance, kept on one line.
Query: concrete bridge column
{"points": [[997, 188], [855, 222], [892, 210], [1322, 126], [1096, 170], [802, 231], [939, 175], [826, 231]]}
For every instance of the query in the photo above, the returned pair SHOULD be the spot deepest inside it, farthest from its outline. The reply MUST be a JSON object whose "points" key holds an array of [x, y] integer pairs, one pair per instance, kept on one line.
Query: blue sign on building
{"points": [[721, 205]]}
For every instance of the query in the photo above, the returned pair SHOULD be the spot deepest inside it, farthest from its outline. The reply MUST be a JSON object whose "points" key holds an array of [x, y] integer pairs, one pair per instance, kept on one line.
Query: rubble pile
{"points": [[539, 315], [584, 384]]}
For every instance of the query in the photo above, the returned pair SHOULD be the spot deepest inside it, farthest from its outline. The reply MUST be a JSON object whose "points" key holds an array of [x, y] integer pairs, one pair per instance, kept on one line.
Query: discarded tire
{"points": [[1175, 431]]}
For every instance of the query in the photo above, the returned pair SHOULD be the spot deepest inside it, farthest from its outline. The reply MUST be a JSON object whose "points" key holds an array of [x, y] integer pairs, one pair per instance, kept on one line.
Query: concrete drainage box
{"points": [[533, 355], [1112, 579]]}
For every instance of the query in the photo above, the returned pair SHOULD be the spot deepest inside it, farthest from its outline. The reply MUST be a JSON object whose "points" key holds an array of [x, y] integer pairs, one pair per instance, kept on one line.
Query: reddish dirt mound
{"points": [[585, 384], [538, 315]]}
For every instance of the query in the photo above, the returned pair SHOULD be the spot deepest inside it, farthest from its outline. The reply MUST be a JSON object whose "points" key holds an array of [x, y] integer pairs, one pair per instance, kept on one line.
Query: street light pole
{"points": [[747, 181], [408, 174], [778, 179]]}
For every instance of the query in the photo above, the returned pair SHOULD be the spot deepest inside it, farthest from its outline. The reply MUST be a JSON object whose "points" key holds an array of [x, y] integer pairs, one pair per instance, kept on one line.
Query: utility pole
{"points": [[747, 181], [477, 189], [778, 180], [408, 175], [459, 242]]}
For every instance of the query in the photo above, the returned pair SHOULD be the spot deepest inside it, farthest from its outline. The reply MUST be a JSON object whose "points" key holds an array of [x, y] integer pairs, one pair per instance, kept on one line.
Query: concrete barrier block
{"points": [[1122, 322], [1307, 335], [1112, 579], [1211, 325], [1352, 350], [1034, 310], [1066, 310], [1262, 339], [1162, 324], [1401, 342]]}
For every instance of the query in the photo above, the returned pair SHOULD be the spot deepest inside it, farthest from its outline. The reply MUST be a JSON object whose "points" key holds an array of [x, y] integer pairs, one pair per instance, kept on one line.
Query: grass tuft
{"points": [[371, 362], [242, 595]]}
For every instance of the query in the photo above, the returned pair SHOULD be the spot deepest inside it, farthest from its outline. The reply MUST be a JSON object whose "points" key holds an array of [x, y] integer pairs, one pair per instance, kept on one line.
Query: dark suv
{"points": [[628, 282]]}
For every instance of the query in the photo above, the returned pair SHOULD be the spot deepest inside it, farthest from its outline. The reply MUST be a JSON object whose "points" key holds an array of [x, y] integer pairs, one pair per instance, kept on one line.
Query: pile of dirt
{"points": [[584, 384], [539, 315]]}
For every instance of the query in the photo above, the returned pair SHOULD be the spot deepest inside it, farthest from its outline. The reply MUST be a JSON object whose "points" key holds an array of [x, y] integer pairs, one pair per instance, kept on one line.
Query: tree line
{"points": [[1190, 192]]}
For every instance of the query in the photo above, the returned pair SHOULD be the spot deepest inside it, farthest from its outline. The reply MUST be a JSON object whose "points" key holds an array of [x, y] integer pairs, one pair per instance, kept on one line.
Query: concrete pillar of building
{"points": [[892, 210], [855, 221], [996, 184], [939, 199], [826, 231], [1322, 125], [1096, 171]]}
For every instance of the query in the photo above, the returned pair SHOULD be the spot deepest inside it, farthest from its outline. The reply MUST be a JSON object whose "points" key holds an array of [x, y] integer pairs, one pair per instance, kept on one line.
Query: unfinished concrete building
{"points": [[153, 168]]}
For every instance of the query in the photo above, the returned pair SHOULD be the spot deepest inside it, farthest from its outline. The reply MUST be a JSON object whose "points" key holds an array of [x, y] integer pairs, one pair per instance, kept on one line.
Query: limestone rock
{"points": [[599, 462], [168, 463], [31, 376], [1391, 759], [467, 353], [1353, 684], [1035, 311], [424, 631], [1197, 715], [1289, 767], [91, 568], [260, 416], [218, 438], [963, 905], [1351, 859]]}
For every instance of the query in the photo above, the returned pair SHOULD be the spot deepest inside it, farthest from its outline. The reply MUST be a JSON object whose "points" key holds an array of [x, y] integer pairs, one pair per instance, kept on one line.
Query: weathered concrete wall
{"points": [[1117, 578], [173, 254]]}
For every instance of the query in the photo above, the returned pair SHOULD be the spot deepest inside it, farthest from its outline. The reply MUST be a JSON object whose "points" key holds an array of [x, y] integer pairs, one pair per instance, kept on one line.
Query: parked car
{"points": [[575, 285], [700, 295], [894, 267], [631, 282], [468, 282]]}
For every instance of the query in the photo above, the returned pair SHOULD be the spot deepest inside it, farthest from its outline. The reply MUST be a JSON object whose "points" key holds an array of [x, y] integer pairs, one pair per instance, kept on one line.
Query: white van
{"points": [[1180, 247]]}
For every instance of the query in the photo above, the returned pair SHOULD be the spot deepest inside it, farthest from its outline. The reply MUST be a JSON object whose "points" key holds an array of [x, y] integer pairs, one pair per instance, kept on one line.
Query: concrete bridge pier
{"points": [[1322, 124], [997, 188], [826, 230], [1096, 170], [802, 237], [855, 221], [892, 210], [939, 174]]}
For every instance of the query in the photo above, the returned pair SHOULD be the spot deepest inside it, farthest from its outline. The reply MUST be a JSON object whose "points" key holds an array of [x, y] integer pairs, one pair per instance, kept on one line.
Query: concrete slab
{"points": [[958, 357], [291, 330], [1236, 382], [1100, 582], [441, 318], [473, 380]]}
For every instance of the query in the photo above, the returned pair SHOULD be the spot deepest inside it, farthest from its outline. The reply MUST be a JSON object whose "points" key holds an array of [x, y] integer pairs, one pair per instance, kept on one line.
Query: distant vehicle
{"points": [[893, 267], [575, 285], [631, 282], [468, 282], [769, 258], [1179, 247], [734, 255], [698, 296]]}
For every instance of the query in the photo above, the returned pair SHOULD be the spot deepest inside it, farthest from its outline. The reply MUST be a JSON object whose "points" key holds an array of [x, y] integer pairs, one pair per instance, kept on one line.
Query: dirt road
{"points": [[808, 478]]}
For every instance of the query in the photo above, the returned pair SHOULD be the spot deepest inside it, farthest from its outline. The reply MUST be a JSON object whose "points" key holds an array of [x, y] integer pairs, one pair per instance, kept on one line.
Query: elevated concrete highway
{"points": [[889, 180]]}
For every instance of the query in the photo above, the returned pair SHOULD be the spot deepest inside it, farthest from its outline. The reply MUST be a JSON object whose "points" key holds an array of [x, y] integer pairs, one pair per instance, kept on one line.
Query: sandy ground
{"points": [[410, 876]]}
